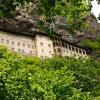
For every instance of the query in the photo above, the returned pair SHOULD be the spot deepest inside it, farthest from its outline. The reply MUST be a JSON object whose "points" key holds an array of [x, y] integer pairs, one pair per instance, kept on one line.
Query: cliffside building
{"points": [[39, 44]]}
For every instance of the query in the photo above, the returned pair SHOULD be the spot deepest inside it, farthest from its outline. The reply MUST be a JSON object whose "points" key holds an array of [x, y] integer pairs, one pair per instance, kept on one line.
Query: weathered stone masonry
{"points": [[40, 45]]}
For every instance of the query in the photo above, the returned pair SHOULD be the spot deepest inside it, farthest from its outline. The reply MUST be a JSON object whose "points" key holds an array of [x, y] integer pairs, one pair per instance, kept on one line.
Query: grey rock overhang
{"points": [[16, 25]]}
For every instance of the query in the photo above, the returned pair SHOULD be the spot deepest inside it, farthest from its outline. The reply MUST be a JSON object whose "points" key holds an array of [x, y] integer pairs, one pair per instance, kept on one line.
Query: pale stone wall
{"points": [[40, 45], [18, 43], [44, 46]]}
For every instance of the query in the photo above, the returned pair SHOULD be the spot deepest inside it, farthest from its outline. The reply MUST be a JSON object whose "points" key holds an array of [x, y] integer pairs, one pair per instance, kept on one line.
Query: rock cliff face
{"points": [[26, 23], [92, 31], [21, 22]]}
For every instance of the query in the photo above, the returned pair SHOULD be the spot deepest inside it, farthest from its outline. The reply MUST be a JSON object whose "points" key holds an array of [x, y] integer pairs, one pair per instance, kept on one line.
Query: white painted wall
{"points": [[44, 46], [18, 43], [40, 45]]}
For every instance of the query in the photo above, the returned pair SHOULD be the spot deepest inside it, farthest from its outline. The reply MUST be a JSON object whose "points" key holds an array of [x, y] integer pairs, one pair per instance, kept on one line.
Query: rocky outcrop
{"points": [[92, 31], [26, 23]]}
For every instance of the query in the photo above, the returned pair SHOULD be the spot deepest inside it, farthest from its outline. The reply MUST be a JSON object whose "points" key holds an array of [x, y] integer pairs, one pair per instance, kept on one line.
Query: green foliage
{"points": [[25, 78], [42, 26], [93, 44], [8, 7], [73, 10]]}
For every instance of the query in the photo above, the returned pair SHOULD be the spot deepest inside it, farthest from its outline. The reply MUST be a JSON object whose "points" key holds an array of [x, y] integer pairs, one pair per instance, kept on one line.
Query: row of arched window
{"points": [[58, 43], [69, 47]]}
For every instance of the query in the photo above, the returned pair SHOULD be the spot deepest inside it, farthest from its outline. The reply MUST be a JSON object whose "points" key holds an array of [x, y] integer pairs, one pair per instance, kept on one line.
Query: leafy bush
{"points": [[27, 78]]}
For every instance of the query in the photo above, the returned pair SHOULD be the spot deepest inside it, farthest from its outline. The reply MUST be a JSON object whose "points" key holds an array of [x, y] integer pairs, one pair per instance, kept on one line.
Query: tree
{"points": [[53, 78], [73, 10], [68, 8]]}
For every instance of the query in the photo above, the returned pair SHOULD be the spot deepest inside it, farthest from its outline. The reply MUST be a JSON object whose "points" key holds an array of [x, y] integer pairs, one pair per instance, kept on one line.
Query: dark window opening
{"points": [[58, 50], [41, 44], [2, 40], [19, 50], [80, 51], [12, 48], [76, 50], [12, 42], [28, 45], [42, 50], [49, 45], [18, 43], [31, 52], [7, 41], [23, 44], [73, 48]]}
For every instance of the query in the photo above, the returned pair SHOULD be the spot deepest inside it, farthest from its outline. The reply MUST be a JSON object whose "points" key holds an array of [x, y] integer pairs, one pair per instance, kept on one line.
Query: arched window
{"points": [[84, 52], [76, 50], [73, 48], [69, 47], [80, 51], [58, 50]]}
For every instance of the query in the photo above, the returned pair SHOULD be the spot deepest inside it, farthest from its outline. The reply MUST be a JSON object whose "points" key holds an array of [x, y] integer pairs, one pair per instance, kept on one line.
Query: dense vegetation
{"points": [[25, 78], [48, 7], [73, 10], [93, 44]]}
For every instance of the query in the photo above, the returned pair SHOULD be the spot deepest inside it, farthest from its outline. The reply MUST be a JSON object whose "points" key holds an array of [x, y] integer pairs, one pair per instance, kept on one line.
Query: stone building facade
{"points": [[40, 45]]}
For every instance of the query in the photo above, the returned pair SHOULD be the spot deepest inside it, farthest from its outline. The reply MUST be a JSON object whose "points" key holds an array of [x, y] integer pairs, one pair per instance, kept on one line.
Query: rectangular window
{"points": [[19, 50], [55, 50], [49, 45], [69, 47], [84, 52], [80, 51], [12, 48], [76, 50], [41, 44], [23, 51], [63, 44], [7, 41], [23, 44], [55, 44], [42, 50], [66, 45], [28, 45], [12, 42], [18, 43], [30, 52], [33, 46], [72, 48], [50, 52], [2, 40]]}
